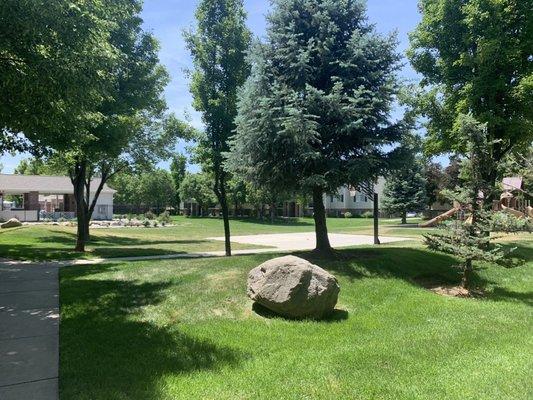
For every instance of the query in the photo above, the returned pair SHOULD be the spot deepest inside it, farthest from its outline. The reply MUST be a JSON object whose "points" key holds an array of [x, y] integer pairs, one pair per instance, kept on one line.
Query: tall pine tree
{"points": [[314, 114]]}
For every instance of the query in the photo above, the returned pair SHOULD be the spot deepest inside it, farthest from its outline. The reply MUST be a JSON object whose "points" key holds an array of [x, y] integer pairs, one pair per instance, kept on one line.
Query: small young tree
{"points": [[405, 189], [469, 240]]}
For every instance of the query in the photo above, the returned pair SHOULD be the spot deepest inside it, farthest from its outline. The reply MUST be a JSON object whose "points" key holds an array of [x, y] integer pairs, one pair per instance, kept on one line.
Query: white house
{"points": [[353, 201], [52, 197]]}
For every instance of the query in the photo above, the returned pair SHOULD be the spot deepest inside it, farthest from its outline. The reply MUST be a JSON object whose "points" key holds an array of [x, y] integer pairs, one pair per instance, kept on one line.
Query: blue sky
{"points": [[166, 19]]}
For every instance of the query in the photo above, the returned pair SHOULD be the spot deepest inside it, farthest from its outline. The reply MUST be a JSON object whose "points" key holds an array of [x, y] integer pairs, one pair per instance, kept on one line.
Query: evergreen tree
{"points": [[469, 240], [314, 114], [218, 47], [405, 190]]}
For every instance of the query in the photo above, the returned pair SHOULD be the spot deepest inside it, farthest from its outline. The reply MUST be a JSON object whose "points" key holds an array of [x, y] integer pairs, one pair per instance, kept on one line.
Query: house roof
{"points": [[44, 184]]}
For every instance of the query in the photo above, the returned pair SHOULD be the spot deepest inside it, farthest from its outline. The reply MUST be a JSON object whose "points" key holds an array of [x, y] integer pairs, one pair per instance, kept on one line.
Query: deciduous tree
{"points": [[475, 58], [218, 46]]}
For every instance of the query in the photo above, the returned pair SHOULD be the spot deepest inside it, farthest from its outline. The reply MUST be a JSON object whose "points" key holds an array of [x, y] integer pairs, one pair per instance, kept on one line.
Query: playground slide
{"points": [[439, 218], [512, 211]]}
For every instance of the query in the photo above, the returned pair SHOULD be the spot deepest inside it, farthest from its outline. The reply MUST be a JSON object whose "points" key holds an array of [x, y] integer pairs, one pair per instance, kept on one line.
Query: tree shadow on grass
{"points": [[414, 265], [108, 350], [69, 238]]}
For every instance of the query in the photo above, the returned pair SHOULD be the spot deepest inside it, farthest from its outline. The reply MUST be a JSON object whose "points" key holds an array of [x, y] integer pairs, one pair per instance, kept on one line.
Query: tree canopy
{"points": [[475, 58], [54, 70]]}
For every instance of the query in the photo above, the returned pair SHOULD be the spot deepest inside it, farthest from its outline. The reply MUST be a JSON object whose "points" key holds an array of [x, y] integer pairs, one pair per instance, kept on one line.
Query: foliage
{"points": [[164, 218], [41, 166], [348, 214], [314, 114], [520, 163], [178, 167], [149, 215], [153, 188], [218, 47], [367, 214], [434, 177], [475, 57], [405, 187], [157, 189], [55, 63], [198, 188]]}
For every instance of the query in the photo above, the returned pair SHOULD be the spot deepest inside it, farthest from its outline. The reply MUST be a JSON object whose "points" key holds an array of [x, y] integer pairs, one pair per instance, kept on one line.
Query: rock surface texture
{"points": [[293, 287], [12, 223]]}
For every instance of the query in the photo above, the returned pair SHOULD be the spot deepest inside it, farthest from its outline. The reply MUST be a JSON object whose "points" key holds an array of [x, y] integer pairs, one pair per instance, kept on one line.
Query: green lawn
{"points": [[46, 242], [184, 329]]}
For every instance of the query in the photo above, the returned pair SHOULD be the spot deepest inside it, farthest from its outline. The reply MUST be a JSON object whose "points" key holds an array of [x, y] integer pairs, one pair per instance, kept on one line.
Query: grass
{"points": [[47, 242], [184, 329]]}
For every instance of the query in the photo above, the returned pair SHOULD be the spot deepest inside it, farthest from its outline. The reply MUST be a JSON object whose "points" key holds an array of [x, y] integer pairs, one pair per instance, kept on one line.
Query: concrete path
{"points": [[29, 331], [307, 240]]}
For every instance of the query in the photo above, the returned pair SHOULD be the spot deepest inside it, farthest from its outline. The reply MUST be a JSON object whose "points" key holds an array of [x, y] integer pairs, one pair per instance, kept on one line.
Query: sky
{"points": [[167, 19]]}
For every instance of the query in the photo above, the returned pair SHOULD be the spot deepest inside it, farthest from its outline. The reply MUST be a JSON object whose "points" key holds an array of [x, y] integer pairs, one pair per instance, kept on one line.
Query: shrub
{"points": [[164, 217], [367, 214], [348, 214], [146, 223], [149, 215]]}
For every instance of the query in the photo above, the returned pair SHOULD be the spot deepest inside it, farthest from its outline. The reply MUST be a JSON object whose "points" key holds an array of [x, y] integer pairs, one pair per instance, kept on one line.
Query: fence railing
{"points": [[21, 215], [55, 215]]}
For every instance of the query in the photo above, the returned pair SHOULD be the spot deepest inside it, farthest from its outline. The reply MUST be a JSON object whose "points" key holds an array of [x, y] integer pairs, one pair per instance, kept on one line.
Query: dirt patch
{"points": [[436, 286]]}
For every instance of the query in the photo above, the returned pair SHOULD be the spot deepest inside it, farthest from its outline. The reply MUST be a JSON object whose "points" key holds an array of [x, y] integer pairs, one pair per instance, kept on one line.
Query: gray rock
{"points": [[293, 287], [12, 223]]}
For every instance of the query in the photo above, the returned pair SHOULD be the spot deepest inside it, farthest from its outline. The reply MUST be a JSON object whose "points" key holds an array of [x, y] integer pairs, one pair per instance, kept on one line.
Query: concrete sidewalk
{"points": [[307, 240], [29, 331]]}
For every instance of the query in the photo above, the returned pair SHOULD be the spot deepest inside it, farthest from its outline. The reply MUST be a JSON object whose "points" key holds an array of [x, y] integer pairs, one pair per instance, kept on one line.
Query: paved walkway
{"points": [[307, 240], [29, 331]]}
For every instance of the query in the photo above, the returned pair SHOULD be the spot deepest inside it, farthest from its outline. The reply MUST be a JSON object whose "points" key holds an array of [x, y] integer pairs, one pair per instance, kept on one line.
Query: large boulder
{"points": [[12, 223], [293, 287]]}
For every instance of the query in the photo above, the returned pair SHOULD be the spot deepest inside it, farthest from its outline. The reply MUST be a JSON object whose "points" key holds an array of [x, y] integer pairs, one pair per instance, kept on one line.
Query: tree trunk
{"points": [[78, 181], [376, 219], [225, 216], [321, 229], [468, 270], [220, 191], [272, 212], [404, 217]]}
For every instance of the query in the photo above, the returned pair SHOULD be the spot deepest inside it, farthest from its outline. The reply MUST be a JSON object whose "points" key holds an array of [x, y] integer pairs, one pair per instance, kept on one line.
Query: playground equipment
{"points": [[442, 217], [509, 202]]}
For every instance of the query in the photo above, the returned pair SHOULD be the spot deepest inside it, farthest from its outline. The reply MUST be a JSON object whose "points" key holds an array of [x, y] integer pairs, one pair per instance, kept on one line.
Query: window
{"points": [[102, 209], [341, 198], [331, 198]]}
